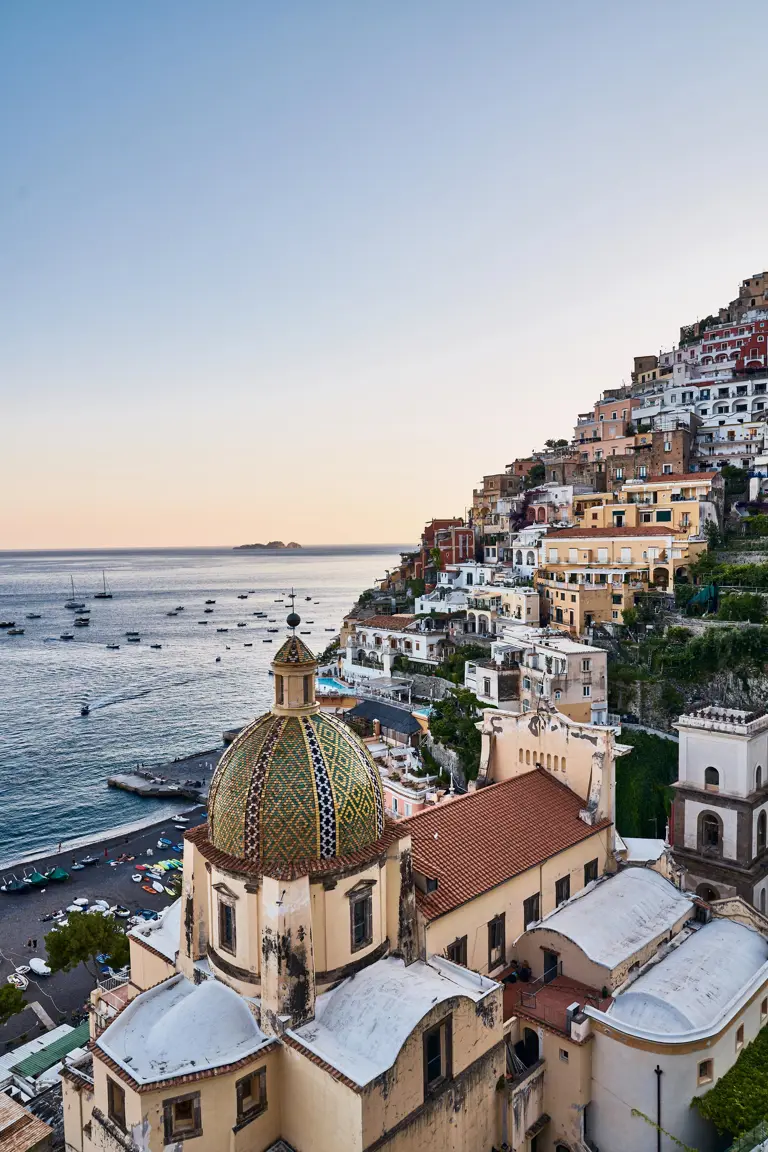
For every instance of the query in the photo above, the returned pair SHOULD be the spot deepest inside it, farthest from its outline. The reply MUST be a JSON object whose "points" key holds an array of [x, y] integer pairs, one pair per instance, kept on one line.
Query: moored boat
{"points": [[15, 631], [105, 594], [57, 875], [67, 636]]}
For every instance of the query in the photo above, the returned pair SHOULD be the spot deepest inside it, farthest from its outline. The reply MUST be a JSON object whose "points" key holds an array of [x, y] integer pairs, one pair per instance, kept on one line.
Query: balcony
{"points": [[548, 1003]]}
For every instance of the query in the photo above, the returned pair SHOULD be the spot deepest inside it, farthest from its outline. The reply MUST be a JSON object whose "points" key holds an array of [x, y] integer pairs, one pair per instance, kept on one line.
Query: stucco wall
{"points": [[471, 919], [465, 1116], [735, 757], [694, 808], [320, 1112], [148, 967]]}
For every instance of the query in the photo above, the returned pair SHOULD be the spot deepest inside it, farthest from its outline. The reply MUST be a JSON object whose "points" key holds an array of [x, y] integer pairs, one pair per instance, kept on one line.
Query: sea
{"points": [[147, 705]]}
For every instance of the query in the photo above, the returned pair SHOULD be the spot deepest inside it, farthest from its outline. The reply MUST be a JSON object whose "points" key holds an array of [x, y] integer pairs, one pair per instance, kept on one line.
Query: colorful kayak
{"points": [[149, 888]]}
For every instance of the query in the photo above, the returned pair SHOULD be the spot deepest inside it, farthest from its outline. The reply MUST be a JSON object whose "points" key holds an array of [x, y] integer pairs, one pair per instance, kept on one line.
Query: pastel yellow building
{"points": [[683, 504]]}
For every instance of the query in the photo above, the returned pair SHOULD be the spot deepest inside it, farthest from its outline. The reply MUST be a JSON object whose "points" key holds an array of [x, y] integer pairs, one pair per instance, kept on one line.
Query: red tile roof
{"points": [[607, 533], [394, 623], [674, 477], [482, 839]]}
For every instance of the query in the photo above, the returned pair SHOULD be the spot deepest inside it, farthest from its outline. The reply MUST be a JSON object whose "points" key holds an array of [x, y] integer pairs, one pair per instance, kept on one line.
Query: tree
{"points": [[436, 557], [742, 606], [11, 1002], [452, 723], [555, 444], [86, 936]]}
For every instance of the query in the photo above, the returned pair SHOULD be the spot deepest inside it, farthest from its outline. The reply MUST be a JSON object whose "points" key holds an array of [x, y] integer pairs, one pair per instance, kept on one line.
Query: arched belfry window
{"points": [[762, 822], [711, 778], [710, 834], [758, 778]]}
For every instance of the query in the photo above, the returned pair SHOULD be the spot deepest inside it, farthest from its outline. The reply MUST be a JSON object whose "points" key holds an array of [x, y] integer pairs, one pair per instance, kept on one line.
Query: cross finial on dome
{"points": [[294, 619]]}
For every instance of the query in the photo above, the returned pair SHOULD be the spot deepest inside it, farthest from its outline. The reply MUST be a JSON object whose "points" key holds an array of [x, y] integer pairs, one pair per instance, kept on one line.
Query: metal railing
{"points": [[752, 1141]]}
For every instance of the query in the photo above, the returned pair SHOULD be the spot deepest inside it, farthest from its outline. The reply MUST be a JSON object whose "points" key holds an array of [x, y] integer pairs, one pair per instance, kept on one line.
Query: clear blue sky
{"points": [[309, 269]]}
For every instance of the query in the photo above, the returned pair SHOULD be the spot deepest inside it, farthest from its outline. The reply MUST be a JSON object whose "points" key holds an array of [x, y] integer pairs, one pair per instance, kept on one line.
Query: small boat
{"points": [[81, 901], [170, 891], [242, 625], [222, 629], [122, 912], [90, 860], [137, 877], [13, 886], [142, 867], [7, 623], [180, 819], [155, 645], [39, 967], [158, 887], [36, 879], [210, 601], [305, 633], [202, 621], [279, 600], [178, 848], [67, 636], [180, 827], [57, 875], [34, 616], [171, 613], [105, 594], [330, 629], [134, 639], [72, 908], [15, 632], [266, 641], [22, 969], [18, 980], [147, 913], [180, 608], [164, 842], [113, 647], [272, 620], [273, 629], [243, 596], [217, 660], [310, 621], [307, 597], [77, 867], [148, 888], [72, 602], [85, 710], [248, 644], [208, 610], [81, 621]]}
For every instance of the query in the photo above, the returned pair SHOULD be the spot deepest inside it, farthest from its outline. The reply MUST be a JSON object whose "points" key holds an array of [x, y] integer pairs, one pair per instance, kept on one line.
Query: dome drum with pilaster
{"points": [[297, 784]]}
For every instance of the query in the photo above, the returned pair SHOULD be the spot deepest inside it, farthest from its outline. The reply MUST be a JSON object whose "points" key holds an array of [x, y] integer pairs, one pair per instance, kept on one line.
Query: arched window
{"points": [[762, 900], [762, 821], [527, 755], [530, 559], [469, 577], [710, 832], [557, 763], [758, 778], [520, 755], [549, 760], [711, 778], [562, 764], [519, 556]]}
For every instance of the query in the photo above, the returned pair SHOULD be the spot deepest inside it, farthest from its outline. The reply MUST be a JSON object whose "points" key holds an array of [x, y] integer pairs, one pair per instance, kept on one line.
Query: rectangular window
{"points": [[486, 686], [361, 920], [664, 516], [531, 910], [590, 872], [586, 665], [251, 1095], [496, 941], [227, 929], [182, 1118], [626, 556], [457, 951], [564, 1055], [705, 1071], [438, 1056], [116, 1104], [562, 890], [586, 690]]}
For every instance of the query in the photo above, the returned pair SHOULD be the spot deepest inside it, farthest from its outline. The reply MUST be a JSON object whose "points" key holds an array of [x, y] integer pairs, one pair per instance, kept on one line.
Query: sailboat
{"points": [[106, 594], [72, 602]]}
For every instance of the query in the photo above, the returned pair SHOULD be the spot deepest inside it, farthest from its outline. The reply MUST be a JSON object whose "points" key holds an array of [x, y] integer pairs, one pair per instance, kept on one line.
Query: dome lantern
{"points": [[294, 667]]}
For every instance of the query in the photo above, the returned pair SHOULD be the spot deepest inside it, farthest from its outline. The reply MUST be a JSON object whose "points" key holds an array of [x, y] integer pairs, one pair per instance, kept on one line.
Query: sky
{"points": [[307, 271]]}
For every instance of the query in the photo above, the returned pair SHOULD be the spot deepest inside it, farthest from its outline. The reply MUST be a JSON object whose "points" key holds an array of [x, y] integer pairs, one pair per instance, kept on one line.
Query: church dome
{"points": [[295, 787]]}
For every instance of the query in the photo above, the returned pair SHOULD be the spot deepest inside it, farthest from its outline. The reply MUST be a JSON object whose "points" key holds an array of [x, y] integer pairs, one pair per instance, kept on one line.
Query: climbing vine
{"points": [[674, 1139]]}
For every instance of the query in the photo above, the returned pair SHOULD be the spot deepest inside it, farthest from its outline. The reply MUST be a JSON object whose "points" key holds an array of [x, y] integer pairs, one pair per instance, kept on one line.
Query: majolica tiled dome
{"points": [[295, 787]]}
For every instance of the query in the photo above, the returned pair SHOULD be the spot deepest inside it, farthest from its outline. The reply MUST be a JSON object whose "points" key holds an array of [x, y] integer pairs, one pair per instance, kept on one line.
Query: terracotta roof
{"points": [[484, 838], [19, 1129], [608, 533], [291, 870], [393, 623]]}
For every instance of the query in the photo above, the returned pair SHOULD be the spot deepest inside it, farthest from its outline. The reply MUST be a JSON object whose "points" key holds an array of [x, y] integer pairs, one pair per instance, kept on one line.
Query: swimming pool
{"points": [[330, 684]]}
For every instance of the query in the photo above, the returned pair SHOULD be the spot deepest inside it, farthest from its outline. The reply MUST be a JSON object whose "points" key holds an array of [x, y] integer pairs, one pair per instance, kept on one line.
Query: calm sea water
{"points": [[146, 705]]}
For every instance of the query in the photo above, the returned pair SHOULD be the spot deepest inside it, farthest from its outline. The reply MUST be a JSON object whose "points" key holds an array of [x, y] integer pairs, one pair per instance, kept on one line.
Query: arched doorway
{"points": [[707, 892], [527, 1049], [660, 578]]}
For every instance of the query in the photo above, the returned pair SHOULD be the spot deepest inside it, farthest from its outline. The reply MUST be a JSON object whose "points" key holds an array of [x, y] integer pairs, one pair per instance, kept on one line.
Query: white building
{"points": [[526, 549], [374, 645]]}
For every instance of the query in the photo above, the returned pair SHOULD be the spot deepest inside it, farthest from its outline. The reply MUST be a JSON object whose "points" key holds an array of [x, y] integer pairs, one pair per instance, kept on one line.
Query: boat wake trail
{"points": [[139, 693]]}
